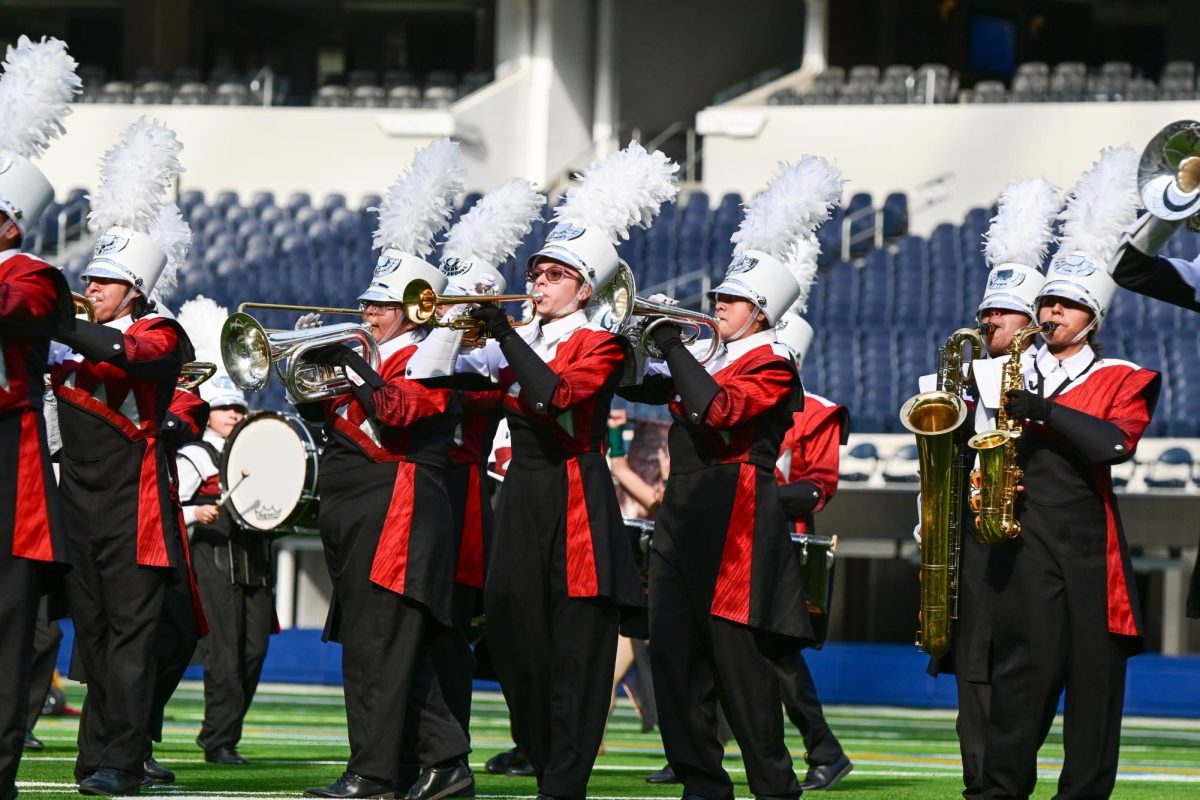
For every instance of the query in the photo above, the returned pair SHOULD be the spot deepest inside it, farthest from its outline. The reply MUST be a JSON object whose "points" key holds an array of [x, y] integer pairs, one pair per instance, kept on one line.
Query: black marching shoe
{"points": [[33, 743], [109, 782], [226, 755], [511, 762], [824, 776], [352, 785], [438, 782], [9, 794], [664, 775], [156, 773]]}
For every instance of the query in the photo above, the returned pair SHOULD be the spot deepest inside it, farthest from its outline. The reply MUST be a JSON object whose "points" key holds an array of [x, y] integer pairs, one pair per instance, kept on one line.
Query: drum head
{"points": [[265, 463]]}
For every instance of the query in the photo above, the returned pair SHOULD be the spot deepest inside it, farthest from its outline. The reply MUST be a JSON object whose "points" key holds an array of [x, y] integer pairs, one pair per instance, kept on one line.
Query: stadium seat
{"points": [[1171, 470], [902, 466], [859, 463]]}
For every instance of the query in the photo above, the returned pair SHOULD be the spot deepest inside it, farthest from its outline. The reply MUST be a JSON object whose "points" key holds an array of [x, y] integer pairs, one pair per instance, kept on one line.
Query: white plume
{"points": [[202, 319], [797, 200], [801, 259], [135, 175], [623, 189], [495, 226], [172, 233], [420, 202], [38, 84], [1022, 229], [1102, 205]]}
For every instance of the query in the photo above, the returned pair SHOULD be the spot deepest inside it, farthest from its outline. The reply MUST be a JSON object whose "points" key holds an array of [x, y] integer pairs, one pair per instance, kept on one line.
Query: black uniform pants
{"points": [[700, 659], [972, 725], [116, 605], [46, 638], [240, 620], [554, 655], [453, 658], [174, 646], [1050, 632], [18, 610], [804, 710]]}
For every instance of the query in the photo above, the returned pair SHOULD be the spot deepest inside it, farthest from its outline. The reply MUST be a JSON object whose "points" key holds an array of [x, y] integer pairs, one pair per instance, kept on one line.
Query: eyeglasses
{"points": [[551, 274], [364, 305]]}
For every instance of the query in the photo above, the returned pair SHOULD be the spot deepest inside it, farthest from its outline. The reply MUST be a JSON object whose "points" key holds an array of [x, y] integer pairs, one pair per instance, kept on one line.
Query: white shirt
{"points": [[195, 466], [1056, 372]]}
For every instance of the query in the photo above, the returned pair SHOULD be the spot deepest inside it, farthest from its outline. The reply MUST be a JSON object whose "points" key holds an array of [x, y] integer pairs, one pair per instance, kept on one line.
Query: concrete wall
{"points": [[894, 148]]}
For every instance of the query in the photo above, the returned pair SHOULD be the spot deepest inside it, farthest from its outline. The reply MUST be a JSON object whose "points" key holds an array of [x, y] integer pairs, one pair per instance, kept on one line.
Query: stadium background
{"points": [[295, 114]]}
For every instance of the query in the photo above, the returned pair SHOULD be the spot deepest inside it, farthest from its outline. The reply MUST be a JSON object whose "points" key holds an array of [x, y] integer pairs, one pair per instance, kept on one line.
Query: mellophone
{"points": [[814, 553]]}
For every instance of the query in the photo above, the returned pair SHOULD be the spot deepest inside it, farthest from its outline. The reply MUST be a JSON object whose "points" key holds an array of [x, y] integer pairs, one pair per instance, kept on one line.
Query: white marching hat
{"points": [[36, 89], [220, 391], [1016, 244], [792, 329], [795, 332], [777, 221], [417, 206], [623, 189], [203, 319], [140, 234], [488, 235], [1099, 209]]}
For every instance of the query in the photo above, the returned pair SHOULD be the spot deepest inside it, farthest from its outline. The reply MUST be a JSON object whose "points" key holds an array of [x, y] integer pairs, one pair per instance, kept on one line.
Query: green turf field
{"points": [[296, 738]]}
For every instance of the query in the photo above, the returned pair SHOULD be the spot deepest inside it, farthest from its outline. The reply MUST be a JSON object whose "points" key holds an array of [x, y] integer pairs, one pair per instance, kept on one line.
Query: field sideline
{"points": [[296, 737]]}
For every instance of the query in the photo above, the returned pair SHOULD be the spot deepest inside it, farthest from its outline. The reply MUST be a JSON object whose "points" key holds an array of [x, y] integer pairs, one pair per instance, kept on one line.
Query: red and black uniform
{"points": [[1064, 607], [34, 302], [385, 523], [127, 544], [561, 575], [726, 593], [807, 472], [234, 576]]}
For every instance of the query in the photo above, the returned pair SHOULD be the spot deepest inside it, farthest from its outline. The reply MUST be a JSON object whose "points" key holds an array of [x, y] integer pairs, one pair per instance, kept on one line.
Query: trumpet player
{"points": [[561, 576], [35, 302], [385, 514], [726, 592], [113, 390], [1064, 607]]}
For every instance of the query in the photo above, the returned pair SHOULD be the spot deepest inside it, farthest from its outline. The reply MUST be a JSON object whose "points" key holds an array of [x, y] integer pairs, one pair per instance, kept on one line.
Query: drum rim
{"points": [[310, 446]]}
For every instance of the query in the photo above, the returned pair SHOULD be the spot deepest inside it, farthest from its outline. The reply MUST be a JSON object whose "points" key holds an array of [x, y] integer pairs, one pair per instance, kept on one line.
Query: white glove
{"points": [[456, 310], [917, 534], [659, 297], [308, 321]]}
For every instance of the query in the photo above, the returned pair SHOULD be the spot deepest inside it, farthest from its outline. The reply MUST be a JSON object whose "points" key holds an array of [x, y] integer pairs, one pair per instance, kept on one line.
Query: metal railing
{"points": [[922, 197]]}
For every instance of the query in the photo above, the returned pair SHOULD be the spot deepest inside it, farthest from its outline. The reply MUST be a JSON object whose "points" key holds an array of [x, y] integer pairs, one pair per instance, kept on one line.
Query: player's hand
{"points": [[207, 515]]}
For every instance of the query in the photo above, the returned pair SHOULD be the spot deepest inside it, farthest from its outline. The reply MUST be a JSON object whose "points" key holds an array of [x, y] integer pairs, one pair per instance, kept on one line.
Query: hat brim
{"points": [[100, 269], [735, 289], [563, 255], [377, 294], [1003, 302], [1068, 292]]}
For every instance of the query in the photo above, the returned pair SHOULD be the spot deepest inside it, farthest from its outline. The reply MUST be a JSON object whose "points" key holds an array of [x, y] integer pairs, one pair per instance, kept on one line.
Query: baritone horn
{"points": [[194, 373], [617, 308], [249, 351]]}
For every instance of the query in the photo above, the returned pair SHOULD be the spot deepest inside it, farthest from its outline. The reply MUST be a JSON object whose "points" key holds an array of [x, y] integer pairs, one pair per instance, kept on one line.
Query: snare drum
{"points": [[269, 473], [641, 536], [816, 554]]}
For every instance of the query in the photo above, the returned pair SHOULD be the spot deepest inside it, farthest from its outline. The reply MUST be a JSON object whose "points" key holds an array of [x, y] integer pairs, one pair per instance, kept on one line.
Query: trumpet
{"points": [[420, 303], [249, 351], [194, 373], [617, 308], [83, 306]]}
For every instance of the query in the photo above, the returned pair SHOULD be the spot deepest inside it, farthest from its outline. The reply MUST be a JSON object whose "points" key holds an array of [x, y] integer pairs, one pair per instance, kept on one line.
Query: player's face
{"points": [[107, 295], [732, 315], [1069, 318], [223, 419], [1004, 324], [384, 320]]}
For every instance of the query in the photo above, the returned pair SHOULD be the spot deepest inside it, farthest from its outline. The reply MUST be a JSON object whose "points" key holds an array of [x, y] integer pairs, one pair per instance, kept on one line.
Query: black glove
{"points": [[1024, 404], [798, 498], [495, 320], [667, 337]]}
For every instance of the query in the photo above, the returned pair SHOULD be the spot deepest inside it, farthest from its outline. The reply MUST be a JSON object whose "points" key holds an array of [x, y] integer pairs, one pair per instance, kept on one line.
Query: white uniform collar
{"points": [[214, 438], [124, 323], [9, 253], [1075, 365], [556, 329], [395, 345], [736, 350]]}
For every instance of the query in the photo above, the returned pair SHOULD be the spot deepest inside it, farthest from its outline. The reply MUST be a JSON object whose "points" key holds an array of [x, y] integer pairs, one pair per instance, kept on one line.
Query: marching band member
{"points": [[726, 595], [234, 569], [1064, 607], [561, 574], [1015, 248], [807, 473], [113, 393], [483, 239], [39, 81], [385, 515]]}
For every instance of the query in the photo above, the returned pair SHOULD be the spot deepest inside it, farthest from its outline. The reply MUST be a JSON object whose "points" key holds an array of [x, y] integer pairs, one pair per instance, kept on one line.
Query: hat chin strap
{"points": [[746, 325], [1079, 337], [128, 299]]}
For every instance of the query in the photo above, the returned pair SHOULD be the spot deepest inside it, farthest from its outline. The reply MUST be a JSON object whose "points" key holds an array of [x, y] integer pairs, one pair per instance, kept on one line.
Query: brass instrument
{"points": [[194, 373], [1169, 185], [617, 308], [998, 473], [934, 417], [249, 350], [421, 302], [83, 306]]}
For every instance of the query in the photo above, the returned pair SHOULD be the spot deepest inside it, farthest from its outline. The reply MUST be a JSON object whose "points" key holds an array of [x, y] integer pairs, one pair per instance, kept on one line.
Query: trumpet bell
{"points": [[421, 302]]}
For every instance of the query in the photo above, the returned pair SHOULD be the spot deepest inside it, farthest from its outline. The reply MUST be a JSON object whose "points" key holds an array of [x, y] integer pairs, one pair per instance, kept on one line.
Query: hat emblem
{"points": [[1005, 279], [1076, 265], [386, 264], [455, 266], [110, 243], [564, 232], [742, 263]]}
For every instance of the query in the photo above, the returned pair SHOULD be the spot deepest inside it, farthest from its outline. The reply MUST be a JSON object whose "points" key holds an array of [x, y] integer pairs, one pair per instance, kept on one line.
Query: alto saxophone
{"points": [[934, 417], [997, 477]]}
